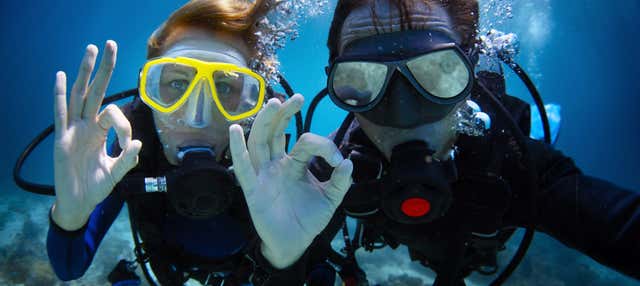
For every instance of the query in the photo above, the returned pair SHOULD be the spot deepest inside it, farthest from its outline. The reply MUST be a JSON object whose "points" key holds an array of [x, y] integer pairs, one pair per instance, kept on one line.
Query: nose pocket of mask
{"points": [[199, 104]]}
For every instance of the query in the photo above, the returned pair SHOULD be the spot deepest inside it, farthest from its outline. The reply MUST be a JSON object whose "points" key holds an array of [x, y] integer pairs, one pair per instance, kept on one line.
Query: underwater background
{"points": [[582, 55]]}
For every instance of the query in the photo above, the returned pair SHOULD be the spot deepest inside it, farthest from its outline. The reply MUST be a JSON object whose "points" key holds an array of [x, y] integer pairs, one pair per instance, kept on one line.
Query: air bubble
{"points": [[277, 28], [472, 121], [496, 43]]}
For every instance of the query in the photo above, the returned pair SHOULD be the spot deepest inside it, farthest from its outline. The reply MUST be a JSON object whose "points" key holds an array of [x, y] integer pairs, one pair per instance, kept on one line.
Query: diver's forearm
{"points": [[595, 217], [69, 218], [71, 252], [67, 252]]}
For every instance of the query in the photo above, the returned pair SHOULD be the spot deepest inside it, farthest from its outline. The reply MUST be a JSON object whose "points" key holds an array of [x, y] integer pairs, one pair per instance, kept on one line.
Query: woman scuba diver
{"points": [[172, 165], [424, 177]]}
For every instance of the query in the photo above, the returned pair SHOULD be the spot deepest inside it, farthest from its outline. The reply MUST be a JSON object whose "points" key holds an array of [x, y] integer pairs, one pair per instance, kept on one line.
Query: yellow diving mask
{"points": [[166, 84]]}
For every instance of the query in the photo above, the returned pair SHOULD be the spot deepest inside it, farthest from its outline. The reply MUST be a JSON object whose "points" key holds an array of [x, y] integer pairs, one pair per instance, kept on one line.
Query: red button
{"points": [[415, 207]]}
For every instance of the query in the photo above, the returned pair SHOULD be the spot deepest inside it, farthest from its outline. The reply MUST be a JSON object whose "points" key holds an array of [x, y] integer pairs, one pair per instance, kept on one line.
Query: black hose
{"points": [[534, 94], [287, 88], [49, 190], [344, 127], [349, 248], [355, 242], [347, 241], [138, 249], [533, 185], [336, 258], [312, 108], [29, 186], [517, 257]]}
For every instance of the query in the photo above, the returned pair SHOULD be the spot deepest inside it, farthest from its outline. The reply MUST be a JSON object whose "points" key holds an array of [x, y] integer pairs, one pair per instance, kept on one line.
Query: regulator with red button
{"points": [[417, 187]]}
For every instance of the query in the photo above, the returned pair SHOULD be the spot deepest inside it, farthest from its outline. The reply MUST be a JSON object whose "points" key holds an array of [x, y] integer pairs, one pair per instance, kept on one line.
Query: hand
{"points": [[84, 173], [288, 205]]}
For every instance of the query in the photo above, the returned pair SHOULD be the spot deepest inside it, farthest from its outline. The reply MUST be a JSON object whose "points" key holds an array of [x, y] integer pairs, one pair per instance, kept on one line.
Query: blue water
{"points": [[583, 55]]}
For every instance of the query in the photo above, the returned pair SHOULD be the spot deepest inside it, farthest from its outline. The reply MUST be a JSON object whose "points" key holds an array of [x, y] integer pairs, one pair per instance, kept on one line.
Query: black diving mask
{"points": [[434, 74]]}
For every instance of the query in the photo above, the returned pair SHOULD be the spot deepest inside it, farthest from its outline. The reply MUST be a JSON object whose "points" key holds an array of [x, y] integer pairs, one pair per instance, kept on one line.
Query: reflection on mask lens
{"points": [[238, 92], [442, 73], [168, 82], [358, 83]]}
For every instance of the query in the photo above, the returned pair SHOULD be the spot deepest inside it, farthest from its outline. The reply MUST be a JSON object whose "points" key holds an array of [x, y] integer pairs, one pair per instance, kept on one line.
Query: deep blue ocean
{"points": [[582, 55]]}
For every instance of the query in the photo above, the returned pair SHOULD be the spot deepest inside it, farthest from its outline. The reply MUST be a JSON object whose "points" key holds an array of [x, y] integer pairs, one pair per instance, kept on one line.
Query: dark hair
{"points": [[464, 14]]}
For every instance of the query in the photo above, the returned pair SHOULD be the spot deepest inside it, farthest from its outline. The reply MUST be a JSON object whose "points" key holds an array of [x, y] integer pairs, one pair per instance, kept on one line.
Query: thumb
{"points": [[340, 182], [127, 160]]}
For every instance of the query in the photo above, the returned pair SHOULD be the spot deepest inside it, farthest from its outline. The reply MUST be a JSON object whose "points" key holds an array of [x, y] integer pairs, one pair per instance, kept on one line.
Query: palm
{"points": [[288, 205], [302, 208], [82, 155]]}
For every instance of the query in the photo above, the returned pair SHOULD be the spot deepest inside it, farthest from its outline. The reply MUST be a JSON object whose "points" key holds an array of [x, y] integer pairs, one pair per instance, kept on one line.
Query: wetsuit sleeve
{"points": [[71, 252], [311, 268], [266, 275], [596, 217]]}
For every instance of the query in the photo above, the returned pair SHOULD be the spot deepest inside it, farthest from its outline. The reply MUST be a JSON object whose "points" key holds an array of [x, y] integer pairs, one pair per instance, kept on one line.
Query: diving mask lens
{"points": [[237, 92], [167, 83], [357, 84], [442, 73]]}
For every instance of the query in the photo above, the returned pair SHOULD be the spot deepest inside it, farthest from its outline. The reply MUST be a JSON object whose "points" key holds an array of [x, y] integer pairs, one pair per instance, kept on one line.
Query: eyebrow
{"points": [[226, 51], [177, 71]]}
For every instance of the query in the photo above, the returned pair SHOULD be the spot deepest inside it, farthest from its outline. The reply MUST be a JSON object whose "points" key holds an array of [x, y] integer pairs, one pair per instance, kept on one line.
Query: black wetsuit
{"points": [[595, 217]]}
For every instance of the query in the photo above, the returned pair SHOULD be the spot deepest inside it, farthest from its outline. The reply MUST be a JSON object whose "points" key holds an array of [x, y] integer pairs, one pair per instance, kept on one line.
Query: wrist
{"points": [[68, 219], [278, 260]]}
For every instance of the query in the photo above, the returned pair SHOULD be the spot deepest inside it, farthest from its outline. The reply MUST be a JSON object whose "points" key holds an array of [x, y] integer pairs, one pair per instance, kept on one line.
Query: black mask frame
{"points": [[398, 65]]}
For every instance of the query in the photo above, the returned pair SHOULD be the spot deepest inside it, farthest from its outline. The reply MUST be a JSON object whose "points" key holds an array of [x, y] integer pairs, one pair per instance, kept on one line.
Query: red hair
{"points": [[236, 17]]}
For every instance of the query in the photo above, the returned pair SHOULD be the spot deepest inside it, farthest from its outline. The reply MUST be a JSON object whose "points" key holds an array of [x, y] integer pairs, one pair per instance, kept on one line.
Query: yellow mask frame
{"points": [[204, 70]]}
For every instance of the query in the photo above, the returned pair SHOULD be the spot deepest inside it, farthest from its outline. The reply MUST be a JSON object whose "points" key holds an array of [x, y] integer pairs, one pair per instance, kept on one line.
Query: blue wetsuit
{"points": [[216, 239]]}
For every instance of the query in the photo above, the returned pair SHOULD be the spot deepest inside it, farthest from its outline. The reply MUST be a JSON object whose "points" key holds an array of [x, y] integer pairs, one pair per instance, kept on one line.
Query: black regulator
{"points": [[418, 187], [199, 187]]}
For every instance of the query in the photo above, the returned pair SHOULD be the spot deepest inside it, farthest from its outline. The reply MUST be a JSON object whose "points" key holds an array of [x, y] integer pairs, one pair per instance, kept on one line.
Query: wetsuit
{"points": [[173, 244], [490, 198]]}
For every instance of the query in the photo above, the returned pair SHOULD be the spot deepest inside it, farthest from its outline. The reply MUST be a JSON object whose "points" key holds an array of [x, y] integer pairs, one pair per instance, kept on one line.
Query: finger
{"points": [[309, 146], [242, 167], [60, 105], [79, 89], [259, 137], [112, 116], [99, 85], [339, 183], [127, 160], [288, 109]]}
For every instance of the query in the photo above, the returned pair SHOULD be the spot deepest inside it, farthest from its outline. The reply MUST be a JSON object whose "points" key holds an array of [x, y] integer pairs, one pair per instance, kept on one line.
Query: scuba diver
{"points": [[441, 162], [171, 162]]}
